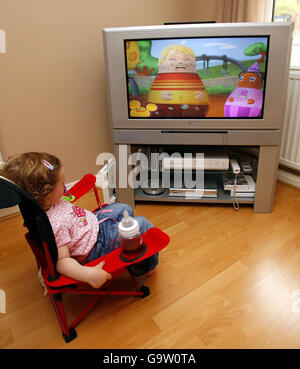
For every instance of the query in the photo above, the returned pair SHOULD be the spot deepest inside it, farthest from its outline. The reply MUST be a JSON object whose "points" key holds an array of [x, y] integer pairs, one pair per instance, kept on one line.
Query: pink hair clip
{"points": [[48, 165]]}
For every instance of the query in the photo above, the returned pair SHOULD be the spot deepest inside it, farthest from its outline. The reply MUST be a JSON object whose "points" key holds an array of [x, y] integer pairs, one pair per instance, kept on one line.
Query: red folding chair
{"points": [[42, 242]]}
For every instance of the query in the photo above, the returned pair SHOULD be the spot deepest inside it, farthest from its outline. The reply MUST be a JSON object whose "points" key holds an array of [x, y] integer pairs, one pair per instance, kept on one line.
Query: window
{"points": [[289, 11]]}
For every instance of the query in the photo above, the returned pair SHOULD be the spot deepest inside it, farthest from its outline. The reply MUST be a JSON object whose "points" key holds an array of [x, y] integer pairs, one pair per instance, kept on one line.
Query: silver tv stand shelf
{"points": [[268, 142]]}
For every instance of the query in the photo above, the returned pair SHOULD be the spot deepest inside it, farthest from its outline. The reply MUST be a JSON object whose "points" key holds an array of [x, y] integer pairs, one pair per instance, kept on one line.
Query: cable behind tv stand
{"points": [[266, 143]]}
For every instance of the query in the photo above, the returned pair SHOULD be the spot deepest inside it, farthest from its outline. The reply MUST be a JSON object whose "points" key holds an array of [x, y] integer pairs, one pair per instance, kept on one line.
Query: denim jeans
{"points": [[108, 237]]}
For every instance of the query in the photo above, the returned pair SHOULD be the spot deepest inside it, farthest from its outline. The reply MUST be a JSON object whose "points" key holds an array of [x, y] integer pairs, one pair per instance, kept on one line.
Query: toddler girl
{"points": [[79, 236]]}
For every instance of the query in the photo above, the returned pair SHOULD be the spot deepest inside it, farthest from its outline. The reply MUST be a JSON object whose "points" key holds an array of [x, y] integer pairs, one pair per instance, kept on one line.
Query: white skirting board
{"points": [[8, 211], [289, 178]]}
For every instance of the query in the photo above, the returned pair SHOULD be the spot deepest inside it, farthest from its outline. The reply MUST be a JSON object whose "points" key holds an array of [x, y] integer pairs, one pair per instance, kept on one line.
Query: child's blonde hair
{"points": [[182, 49], [28, 171]]}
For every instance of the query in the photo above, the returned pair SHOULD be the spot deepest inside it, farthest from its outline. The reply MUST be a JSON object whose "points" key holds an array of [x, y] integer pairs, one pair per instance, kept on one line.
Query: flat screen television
{"points": [[197, 76]]}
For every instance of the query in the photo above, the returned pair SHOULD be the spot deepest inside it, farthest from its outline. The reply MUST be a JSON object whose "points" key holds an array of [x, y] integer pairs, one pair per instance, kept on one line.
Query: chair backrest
{"points": [[35, 217]]}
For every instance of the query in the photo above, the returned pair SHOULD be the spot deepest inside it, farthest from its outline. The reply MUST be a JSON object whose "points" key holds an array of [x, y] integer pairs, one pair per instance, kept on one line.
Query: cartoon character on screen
{"points": [[178, 91], [132, 60], [247, 98], [137, 110], [132, 54]]}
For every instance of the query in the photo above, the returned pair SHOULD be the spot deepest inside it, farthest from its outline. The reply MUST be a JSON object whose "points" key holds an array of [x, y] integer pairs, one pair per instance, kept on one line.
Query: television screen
{"points": [[196, 77]]}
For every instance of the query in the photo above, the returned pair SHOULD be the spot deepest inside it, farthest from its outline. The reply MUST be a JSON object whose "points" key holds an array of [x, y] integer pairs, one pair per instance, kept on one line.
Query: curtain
{"points": [[244, 10]]}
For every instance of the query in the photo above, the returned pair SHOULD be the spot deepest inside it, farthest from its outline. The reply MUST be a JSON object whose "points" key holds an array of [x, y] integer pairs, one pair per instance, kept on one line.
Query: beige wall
{"points": [[52, 79]]}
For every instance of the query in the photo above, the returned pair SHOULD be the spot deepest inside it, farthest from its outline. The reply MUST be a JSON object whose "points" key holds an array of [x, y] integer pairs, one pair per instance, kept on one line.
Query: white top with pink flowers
{"points": [[75, 227]]}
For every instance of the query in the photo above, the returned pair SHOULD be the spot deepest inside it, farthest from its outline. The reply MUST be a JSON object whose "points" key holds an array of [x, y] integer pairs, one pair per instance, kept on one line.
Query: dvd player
{"points": [[210, 189], [212, 161]]}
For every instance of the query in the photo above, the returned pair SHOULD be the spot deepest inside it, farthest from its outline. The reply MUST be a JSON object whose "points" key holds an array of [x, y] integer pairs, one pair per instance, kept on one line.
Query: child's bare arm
{"points": [[69, 267]]}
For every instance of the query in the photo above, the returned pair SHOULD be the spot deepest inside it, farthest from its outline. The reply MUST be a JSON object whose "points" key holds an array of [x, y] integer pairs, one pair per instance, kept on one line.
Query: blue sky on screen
{"points": [[230, 46]]}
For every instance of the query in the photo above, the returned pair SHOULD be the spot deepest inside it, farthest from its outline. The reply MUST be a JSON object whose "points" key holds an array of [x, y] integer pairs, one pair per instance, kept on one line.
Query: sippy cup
{"points": [[129, 234]]}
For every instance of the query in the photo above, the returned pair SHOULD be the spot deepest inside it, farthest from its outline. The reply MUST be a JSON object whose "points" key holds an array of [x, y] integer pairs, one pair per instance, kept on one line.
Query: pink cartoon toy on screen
{"points": [[247, 98]]}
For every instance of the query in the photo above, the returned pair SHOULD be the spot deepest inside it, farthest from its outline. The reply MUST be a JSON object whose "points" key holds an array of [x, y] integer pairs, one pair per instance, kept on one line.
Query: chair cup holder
{"points": [[128, 257]]}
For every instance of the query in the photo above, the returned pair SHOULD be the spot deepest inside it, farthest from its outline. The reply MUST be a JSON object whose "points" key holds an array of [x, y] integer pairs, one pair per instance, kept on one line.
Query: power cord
{"points": [[235, 203], [236, 170]]}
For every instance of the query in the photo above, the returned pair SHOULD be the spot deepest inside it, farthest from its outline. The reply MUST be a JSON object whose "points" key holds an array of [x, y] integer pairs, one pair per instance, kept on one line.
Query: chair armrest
{"points": [[154, 239], [83, 186]]}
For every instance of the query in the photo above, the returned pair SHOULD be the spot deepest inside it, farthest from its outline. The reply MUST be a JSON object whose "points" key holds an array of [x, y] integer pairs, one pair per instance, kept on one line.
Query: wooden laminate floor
{"points": [[227, 280]]}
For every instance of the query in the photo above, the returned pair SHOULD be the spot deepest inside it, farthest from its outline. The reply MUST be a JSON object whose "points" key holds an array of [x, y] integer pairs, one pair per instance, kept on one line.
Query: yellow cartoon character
{"points": [[137, 110], [132, 54], [178, 90]]}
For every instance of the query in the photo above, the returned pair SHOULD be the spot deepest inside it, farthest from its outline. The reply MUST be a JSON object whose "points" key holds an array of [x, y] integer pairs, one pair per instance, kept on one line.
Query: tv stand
{"points": [[267, 143]]}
